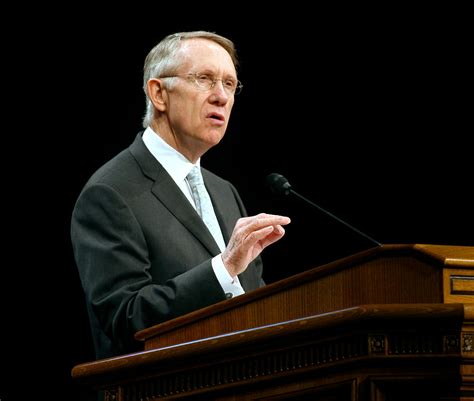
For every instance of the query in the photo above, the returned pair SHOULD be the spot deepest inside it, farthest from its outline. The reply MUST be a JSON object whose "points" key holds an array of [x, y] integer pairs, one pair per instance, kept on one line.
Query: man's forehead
{"points": [[204, 53]]}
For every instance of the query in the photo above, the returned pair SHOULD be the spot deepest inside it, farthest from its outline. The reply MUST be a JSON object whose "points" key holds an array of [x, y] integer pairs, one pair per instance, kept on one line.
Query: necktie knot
{"points": [[194, 176]]}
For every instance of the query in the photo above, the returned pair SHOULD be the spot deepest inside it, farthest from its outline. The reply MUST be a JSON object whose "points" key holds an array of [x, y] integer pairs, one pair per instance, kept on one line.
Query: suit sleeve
{"points": [[112, 257]]}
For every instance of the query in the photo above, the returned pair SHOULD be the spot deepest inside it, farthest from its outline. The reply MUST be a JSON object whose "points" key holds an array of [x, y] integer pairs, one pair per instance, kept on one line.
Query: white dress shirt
{"points": [[178, 168]]}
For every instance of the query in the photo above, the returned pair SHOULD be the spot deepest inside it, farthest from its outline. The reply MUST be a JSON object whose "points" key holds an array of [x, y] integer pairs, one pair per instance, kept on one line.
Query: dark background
{"points": [[368, 113]]}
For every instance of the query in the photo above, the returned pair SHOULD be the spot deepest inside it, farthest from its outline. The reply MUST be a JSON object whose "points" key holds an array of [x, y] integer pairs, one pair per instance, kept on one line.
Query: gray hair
{"points": [[165, 58]]}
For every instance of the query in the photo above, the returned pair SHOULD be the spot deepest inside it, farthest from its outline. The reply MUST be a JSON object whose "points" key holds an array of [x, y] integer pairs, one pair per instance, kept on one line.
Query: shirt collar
{"points": [[174, 162]]}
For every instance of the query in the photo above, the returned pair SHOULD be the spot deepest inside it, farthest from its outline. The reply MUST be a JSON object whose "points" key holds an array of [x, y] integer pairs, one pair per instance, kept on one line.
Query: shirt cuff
{"points": [[231, 286]]}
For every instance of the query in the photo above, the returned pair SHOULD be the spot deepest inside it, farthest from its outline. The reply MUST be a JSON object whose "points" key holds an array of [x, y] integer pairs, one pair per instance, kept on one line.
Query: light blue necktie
{"points": [[204, 205]]}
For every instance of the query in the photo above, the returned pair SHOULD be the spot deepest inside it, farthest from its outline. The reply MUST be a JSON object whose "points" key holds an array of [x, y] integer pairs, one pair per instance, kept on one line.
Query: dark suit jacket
{"points": [[143, 253]]}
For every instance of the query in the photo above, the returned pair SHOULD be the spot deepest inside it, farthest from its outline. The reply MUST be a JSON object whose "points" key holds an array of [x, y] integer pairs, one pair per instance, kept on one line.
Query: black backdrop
{"points": [[367, 114]]}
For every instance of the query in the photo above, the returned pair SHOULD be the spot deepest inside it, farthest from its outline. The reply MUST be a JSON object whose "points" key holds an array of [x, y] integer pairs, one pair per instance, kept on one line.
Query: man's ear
{"points": [[157, 93]]}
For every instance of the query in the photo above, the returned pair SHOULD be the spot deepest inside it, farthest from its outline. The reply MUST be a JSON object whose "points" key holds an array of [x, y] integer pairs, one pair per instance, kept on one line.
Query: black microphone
{"points": [[280, 185]]}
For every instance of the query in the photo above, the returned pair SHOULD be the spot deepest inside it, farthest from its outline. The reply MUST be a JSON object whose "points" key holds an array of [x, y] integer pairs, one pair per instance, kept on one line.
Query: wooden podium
{"points": [[395, 323]]}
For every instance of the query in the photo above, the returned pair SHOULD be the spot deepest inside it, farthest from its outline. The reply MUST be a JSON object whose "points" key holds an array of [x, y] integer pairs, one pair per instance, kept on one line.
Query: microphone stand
{"points": [[334, 217]]}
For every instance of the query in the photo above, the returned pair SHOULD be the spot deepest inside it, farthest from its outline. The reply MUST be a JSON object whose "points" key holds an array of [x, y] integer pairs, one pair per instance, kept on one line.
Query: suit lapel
{"points": [[169, 194], [166, 190]]}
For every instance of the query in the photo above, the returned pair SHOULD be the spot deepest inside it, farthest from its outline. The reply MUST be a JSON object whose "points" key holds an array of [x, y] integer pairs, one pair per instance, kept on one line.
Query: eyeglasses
{"points": [[206, 82]]}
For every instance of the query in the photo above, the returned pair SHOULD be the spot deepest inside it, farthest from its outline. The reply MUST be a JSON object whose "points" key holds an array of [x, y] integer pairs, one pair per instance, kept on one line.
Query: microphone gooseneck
{"points": [[280, 185]]}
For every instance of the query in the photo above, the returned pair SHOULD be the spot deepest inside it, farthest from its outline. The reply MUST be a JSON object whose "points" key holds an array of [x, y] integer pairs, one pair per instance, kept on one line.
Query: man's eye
{"points": [[204, 78]]}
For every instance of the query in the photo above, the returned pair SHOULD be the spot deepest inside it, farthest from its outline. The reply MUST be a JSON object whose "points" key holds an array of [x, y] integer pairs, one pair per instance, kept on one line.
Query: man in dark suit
{"points": [[143, 252]]}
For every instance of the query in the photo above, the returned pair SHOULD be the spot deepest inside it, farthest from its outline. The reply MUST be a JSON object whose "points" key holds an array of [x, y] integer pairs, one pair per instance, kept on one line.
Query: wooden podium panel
{"points": [[391, 323], [391, 274], [369, 352]]}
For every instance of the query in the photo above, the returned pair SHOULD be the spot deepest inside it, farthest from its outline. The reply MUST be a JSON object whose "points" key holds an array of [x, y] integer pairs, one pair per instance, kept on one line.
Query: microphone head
{"points": [[278, 184]]}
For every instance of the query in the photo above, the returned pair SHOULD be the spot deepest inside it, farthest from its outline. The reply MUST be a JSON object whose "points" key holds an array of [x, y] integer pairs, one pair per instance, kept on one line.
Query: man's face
{"points": [[198, 118]]}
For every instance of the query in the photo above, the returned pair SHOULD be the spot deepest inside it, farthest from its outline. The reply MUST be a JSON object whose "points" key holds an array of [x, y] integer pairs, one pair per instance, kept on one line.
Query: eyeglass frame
{"points": [[195, 75]]}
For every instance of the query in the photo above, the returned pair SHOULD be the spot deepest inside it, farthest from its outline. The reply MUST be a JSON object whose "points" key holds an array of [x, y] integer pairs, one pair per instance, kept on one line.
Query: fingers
{"points": [[250, 236], [254, 223], [258, 235], [254, 228], [266, 236]]}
